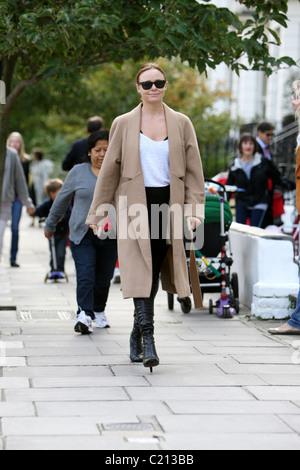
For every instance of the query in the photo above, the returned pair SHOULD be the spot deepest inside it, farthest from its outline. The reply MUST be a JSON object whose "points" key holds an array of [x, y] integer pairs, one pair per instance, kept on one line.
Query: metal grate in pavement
{"points": [[31, 315], [128, 427]]}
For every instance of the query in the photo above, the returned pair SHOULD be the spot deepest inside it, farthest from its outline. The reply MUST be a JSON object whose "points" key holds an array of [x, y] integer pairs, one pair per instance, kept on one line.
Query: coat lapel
{"points": [[132, 165], [177, 167]]}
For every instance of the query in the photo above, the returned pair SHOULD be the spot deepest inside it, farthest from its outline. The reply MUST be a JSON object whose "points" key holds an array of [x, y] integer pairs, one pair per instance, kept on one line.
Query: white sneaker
{"points": [[101, 320], [117, 276], [84, 324]]}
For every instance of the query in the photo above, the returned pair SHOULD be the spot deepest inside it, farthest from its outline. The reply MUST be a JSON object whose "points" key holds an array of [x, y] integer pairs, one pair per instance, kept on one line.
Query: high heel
{"points": [[136, 348], [145, 317]]}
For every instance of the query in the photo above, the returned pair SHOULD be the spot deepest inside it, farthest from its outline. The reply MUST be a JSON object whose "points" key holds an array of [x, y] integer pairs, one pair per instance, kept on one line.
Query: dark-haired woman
{"points": [[250, 172], [95, 258]]}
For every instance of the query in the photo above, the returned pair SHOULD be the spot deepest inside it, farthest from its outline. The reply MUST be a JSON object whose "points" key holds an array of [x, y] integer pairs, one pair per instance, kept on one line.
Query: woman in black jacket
{"points": [[250, 172]]}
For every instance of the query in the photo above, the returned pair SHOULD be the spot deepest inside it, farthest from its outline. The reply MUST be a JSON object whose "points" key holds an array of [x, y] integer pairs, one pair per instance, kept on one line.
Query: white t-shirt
{"points": [[155, 160]]}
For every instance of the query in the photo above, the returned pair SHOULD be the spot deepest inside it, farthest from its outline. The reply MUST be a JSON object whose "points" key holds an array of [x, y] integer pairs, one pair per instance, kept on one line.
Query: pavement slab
{"points": [[222, 384]]}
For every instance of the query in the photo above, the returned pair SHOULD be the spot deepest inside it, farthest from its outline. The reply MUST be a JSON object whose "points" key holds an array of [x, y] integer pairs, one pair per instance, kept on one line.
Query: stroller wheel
{"points": [[210, 307], [235, 285], [226, 312], [186, 304], [170, 301], [237, 306]]}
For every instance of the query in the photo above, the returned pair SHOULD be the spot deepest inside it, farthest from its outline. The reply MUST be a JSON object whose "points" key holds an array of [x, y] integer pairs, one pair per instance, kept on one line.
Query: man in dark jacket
{"points": [[265, 133], [78, 150]]}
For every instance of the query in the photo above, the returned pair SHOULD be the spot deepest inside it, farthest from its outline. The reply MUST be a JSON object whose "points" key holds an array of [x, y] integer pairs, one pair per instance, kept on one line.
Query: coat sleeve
{"points": [[108, 179], [21, 188], [231, 178], [194, 179]]}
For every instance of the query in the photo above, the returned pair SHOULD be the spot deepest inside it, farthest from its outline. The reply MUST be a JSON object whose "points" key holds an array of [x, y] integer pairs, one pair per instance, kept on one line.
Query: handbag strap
{"points": [[194, 278]]}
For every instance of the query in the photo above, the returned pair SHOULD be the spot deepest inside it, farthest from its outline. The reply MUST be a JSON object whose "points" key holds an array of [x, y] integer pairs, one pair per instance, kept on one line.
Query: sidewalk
{"points": [[222, 384]]}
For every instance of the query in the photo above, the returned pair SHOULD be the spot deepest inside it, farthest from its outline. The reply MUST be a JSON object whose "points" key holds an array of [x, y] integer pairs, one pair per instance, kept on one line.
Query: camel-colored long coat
{"points": [[121, 175], [298, 181]]}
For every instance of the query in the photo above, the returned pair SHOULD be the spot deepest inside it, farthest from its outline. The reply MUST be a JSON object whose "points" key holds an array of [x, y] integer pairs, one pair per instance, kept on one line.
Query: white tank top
{"points": [[155, 160]]}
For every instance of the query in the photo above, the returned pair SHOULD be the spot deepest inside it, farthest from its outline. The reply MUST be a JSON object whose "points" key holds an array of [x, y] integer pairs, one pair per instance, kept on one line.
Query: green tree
{"points": [[56, 111], [42, 38]]}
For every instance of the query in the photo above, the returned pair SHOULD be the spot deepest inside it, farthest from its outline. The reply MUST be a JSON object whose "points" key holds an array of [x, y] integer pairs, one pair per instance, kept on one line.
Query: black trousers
{"points": [[155, 198], [95, 261]]}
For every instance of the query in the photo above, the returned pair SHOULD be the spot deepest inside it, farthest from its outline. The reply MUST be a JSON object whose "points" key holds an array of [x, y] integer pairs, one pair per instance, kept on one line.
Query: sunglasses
{"points": [[295, 95], [148, 85]]}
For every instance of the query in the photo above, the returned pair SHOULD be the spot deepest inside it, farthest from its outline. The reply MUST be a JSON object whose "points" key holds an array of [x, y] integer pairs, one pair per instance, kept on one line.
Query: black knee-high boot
{"points": [[145, 316], [136, 348]]}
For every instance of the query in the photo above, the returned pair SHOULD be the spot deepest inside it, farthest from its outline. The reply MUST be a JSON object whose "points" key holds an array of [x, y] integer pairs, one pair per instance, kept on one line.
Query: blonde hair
{"points": [[22, 154], [150, 66]]}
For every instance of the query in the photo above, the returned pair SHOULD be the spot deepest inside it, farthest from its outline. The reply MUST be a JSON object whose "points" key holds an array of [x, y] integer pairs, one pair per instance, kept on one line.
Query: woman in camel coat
{"points": [[172, 174]]}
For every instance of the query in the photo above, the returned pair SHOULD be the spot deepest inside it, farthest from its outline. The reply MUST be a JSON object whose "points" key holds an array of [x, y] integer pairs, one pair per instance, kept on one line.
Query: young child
{"points": [[61, 235]]}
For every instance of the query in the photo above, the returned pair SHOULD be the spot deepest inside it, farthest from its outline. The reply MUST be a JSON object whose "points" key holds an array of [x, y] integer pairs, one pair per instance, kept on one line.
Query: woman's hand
{"points": [[193, 223], [48, 235], [97, 230]]}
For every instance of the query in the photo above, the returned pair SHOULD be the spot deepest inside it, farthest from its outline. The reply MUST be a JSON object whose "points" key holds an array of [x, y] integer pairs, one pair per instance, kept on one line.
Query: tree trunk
{"points": [[9, 65]]}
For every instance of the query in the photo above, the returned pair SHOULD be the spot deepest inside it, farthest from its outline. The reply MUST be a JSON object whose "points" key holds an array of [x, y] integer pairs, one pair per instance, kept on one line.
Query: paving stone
{"points": [[61, 352], [16, 409], [49, 427], [14, 382], [101, 409], [77, 360], [190, 393], [291, 420], [66, 371], [75, 443], [89, 382], [231, 441], [232, 423], [66, 394], [234, 407], [275, 393]]}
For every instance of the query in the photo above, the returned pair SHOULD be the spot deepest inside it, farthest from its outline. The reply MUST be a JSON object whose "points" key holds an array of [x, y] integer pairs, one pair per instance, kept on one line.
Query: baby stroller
{"points": [[214, 262]]}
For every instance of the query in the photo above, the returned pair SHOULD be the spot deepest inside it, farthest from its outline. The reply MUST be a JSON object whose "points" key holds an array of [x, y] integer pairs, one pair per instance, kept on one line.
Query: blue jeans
{"points": [[294, 322], [256, 216], [95, 262], [16, 212]]}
